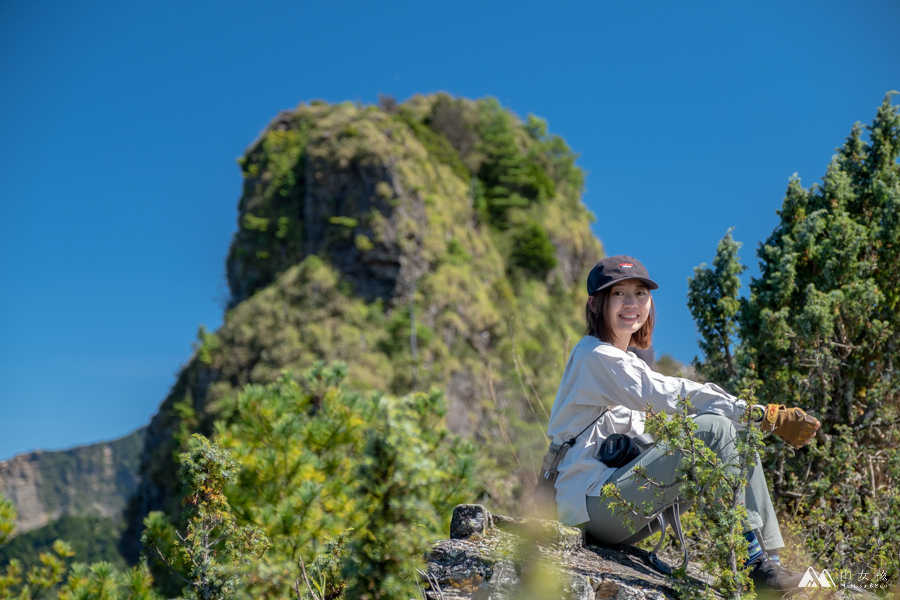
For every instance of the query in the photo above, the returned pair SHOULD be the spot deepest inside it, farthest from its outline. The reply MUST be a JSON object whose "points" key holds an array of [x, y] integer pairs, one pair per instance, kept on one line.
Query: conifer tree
{"points": [[213, 546], [504, 173], [396, 481], [714, 302], [819, 330]]}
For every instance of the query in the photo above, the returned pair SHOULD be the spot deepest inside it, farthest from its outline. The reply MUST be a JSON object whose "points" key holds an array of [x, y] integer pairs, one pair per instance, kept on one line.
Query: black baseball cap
{"points": [[616, 268]]}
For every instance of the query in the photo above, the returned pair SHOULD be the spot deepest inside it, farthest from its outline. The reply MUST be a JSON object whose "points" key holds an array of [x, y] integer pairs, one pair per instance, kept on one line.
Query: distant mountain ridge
{"points": [[96, 480]]}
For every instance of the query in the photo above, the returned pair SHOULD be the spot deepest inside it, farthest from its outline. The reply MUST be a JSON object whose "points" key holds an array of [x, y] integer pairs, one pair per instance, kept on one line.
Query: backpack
{"points": [[669, 515]]}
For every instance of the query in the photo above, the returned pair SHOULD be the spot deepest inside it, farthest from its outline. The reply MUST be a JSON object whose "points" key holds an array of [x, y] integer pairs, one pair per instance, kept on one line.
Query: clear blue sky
{"points": [[121, 123]]}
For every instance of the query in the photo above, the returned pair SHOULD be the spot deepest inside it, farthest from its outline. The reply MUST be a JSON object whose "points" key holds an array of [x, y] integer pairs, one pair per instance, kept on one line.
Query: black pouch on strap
{"points": [[545, 490]]}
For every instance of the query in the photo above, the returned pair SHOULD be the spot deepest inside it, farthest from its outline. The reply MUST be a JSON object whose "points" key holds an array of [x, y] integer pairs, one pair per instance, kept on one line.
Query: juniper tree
{"points": [[819, 330], [213, 546], [714, 488], [714, 302]]}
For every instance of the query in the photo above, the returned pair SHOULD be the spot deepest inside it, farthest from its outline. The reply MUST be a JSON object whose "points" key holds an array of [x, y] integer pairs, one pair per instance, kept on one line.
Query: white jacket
{"points": [[598, 374]]}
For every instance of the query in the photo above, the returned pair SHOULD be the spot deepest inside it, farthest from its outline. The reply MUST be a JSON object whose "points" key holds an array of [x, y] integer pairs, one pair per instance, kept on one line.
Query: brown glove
{"points": [[792, 424]]}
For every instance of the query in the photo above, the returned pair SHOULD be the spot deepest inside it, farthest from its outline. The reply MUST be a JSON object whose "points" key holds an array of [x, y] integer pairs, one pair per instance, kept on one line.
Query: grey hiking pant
{"points": [[718, 433]]}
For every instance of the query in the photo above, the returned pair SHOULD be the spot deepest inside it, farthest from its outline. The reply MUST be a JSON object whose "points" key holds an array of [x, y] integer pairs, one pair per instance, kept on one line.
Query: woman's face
{"points": [[627, 309]]}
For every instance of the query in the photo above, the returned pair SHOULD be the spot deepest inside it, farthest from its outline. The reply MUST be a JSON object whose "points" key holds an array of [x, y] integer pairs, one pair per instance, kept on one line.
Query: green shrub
{"points": [[532, 250], [716, 490]]}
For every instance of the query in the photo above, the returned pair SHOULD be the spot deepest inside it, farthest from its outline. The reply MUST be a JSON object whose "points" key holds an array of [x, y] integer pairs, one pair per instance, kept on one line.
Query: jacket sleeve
{"points": [[610, 376]]}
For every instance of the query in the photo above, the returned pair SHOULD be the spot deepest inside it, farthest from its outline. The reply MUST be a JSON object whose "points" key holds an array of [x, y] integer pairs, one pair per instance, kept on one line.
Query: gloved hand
{"points": [[792, 424]]}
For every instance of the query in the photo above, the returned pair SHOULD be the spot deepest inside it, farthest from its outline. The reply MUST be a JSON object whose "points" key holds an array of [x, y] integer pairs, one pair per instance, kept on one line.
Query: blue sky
{"points": [[121, 123]]}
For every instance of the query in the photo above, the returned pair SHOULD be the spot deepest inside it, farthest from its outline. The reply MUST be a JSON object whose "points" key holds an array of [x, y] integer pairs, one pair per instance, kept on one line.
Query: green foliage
{"points": [[45, 576], [316, 462], [93, 539], [274, 172], [820, 330], [206, 345], [101, 581], [348, 222], [715, 488], [206, 555], [294, 439], [556, 158], [403, 481], [38, 580], [363, 243], [713, 301], [507, 176], [324, 580], [436, 144], [7, 519], [533, 252], [839, 527]]}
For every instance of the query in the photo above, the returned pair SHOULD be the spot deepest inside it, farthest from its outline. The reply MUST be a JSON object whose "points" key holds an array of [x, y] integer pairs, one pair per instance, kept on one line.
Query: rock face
{"points": [[492, 557], [95, 480]]}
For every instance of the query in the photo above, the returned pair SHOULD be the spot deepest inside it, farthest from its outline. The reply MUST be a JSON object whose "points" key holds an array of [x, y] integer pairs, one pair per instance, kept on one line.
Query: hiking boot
{"points": [[770, 575]]}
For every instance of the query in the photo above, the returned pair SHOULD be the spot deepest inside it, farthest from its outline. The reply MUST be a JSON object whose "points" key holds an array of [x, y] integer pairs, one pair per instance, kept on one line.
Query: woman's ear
{"points": [[592, 304]]}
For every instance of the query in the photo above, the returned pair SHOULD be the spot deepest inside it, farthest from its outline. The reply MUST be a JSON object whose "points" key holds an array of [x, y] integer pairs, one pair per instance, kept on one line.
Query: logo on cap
{"points": [[626, 265]]}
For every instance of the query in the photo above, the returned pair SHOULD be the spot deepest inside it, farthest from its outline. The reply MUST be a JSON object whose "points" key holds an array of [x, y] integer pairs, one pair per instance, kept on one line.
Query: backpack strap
{"points": [[557, 452]]}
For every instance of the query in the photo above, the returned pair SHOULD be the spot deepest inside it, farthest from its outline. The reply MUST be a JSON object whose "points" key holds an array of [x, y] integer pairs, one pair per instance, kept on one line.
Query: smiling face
{"points": [[627, 309]]}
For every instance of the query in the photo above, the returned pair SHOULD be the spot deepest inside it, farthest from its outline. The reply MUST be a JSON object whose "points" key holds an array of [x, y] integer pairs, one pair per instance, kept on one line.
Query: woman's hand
{"points": [[792, 424]]}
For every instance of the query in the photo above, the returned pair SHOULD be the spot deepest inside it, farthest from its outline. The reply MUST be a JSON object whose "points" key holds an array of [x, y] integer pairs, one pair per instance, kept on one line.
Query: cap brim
{"points": [[651, 285]]}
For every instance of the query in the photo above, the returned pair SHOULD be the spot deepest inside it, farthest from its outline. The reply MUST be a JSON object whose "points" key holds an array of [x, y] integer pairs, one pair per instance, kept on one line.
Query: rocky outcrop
{"points": [[493, 557], [436, 243], [96, 480]]}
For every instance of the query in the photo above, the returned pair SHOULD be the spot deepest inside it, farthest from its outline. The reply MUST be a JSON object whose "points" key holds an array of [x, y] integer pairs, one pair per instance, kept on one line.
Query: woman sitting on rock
{"points": [[605, 390]]}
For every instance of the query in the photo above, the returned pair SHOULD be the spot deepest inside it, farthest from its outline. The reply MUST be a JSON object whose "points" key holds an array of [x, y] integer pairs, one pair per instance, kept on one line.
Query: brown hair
{"points": [[598, 326]]}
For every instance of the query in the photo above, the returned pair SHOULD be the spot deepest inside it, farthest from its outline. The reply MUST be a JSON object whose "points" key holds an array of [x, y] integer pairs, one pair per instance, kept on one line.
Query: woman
{"points": [[605, 390]]}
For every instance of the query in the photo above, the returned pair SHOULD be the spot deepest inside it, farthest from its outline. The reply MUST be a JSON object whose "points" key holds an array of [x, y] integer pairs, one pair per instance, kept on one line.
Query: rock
{"points": [[579, 588], [544, 532], [469, 520], [495, 557], [462, 564], [504, 583]]}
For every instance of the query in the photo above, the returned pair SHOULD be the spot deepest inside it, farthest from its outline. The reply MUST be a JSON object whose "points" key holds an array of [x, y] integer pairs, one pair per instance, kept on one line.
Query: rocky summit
{"points": [[435, 243]]}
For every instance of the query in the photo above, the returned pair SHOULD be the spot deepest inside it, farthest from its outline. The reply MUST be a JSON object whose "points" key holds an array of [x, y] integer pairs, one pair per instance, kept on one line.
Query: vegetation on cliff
{"points": [[439, 242]]}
